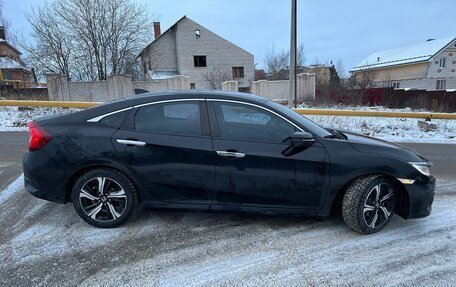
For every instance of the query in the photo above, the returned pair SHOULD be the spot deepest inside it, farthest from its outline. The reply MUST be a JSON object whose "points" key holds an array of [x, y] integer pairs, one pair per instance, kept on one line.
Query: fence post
{"points": [[306, 87], [179, 82], [119, 86], [230, 86], [58, 89]]}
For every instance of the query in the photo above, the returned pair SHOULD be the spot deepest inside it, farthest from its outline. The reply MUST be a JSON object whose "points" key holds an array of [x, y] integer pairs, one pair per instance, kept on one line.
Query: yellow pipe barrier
{"points": [[348, 113], [60, 104], [380, 114]]}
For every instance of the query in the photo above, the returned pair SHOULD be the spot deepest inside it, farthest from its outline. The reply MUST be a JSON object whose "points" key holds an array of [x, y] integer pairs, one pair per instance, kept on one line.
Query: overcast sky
{"points": [[331, 30]]}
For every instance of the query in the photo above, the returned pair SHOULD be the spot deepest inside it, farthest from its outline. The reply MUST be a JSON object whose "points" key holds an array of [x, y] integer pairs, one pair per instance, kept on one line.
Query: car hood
{"points": [[366, 144]]}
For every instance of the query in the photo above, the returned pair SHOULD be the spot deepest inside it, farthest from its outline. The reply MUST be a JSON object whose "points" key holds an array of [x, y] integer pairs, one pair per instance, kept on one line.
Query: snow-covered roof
{"points": [[7, 63], [9, 45], [404, 55]]}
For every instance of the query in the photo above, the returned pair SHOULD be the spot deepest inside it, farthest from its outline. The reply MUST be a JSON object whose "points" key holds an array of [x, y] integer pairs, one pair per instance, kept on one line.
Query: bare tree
{"points": [[365, 79], [362, 79], [277, 62], [215, 77], [103, 35], [340, 68], [53, 49], [12, 35], [301, 59]]}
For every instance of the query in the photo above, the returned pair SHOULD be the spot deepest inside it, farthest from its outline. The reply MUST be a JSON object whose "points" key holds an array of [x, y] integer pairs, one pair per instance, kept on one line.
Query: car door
{"points": [[167, 145], [250, 167]]}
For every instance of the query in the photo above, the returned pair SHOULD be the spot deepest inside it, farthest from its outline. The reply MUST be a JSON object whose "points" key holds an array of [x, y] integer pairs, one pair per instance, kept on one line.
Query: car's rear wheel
{"points": [[368, 204], [104, 197]]}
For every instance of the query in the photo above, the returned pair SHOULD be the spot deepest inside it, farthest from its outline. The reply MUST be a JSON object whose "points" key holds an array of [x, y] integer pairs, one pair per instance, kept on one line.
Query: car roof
{"points": [[150, 96]]}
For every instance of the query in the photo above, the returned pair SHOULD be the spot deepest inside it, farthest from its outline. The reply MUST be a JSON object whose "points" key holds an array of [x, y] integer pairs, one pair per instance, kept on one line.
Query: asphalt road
{"points": [[46, 244], [13, 145]]}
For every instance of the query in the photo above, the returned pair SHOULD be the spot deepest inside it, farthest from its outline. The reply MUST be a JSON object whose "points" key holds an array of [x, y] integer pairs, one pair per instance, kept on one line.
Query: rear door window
{"points": [[176, 118]]}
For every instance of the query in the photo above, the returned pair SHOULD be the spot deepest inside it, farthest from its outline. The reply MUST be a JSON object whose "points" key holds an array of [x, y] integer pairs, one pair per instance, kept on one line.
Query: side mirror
{"points": [[301, 139]]}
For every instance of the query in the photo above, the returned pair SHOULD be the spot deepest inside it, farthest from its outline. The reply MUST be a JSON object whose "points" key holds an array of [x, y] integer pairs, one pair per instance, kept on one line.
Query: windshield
{"points": [[303, 121]]}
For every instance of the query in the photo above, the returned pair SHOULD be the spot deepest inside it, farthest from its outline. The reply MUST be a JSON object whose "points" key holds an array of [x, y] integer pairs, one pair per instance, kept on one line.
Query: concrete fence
{"points": [[119, 86], [230, 86], [115, 87], [279, 90]]}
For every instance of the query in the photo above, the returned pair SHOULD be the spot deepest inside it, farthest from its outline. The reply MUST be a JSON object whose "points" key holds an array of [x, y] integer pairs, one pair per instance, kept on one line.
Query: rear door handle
{"points": [[231, 154], [131, 142]]}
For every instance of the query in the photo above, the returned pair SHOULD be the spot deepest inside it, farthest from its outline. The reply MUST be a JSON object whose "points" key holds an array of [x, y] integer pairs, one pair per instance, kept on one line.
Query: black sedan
{"points": [[220, 151]]}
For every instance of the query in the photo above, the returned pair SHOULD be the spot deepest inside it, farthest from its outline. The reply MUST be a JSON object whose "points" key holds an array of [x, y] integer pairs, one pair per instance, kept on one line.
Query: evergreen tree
{"points": [[334, 79]]}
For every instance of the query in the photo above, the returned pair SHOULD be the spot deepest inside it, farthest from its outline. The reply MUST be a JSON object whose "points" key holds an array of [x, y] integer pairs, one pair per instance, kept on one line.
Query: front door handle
{"points": [[231, 154], [131, 142]]}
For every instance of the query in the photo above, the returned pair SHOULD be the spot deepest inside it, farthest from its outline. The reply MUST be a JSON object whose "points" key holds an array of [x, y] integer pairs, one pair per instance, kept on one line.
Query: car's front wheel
{"points": [[104, 197], [368, 204]]}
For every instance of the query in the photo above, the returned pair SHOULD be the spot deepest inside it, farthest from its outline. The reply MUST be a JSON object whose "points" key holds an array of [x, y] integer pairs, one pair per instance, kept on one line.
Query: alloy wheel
{"points": [[378, 206], [103, 199]]}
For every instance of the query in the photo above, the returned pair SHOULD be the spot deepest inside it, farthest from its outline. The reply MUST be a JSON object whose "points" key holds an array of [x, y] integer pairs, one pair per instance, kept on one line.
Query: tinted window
{"points": [[305, 122], [248, 123], [182, 118], [114, 120]]}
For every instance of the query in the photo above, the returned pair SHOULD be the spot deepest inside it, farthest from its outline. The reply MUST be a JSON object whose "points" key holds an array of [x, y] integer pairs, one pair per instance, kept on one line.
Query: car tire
{"points": [[113, 206], [368, 204]]}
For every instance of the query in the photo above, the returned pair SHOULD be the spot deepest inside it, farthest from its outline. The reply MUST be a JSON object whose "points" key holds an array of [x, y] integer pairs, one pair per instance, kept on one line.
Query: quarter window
{"points": [[247, 123], [115, 120], [182, 118]]}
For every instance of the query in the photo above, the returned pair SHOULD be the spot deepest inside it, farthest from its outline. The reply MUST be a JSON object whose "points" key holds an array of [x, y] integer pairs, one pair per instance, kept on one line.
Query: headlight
{"points": [[422, 167]]}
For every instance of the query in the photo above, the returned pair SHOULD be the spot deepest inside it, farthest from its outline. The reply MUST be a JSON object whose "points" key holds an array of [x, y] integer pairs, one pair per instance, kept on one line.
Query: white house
{"points": [[430, 65]]}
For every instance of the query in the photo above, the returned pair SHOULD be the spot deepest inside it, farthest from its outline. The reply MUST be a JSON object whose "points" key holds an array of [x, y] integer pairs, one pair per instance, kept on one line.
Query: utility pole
{"points": [[293, 56]]}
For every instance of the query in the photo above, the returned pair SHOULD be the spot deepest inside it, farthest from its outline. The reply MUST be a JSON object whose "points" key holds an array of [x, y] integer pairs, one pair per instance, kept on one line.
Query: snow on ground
{"points": [[11, 189], [392, 129], [13, 119], [47, 244]]}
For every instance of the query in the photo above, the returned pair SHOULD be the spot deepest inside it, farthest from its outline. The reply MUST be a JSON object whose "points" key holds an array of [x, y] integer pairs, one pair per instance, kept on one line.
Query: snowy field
{"points": [[47, 244], [392, 129]]}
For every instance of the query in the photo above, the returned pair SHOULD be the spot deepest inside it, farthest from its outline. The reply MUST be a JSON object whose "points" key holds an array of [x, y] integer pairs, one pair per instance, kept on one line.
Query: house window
{"points": [[199, 61], [442, 62], [396, 85], [7, 75], [440, 85], [197, 34], [192, 86], [238, 72]]}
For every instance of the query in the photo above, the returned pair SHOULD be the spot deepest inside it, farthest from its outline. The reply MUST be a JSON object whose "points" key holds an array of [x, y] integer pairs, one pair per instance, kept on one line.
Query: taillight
{"points": [[39, 137]]}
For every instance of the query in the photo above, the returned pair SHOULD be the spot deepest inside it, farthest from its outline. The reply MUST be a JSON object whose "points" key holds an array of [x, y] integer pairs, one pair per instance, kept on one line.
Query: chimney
{"points": [[157, 31], [2, 33]]}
